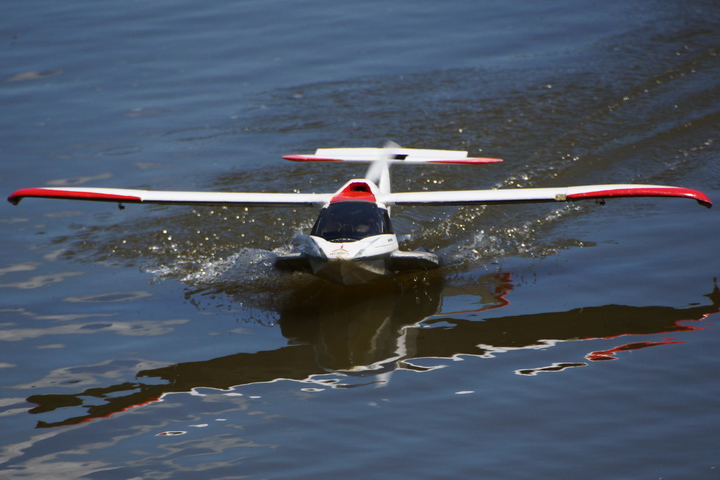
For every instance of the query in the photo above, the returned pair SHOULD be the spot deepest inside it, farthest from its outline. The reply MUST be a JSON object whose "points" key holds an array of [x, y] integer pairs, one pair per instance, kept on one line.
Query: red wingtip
{"points": [[69, 194], [15, 198], [701, 198]]}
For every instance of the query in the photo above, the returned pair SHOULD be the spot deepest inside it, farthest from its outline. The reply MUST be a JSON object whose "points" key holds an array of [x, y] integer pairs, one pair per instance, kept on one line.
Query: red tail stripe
{"points": [[309, 158], [468, 161]]}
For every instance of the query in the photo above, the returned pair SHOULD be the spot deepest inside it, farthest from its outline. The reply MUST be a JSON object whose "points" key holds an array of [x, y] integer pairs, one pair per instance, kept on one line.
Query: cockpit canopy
{"points": [[351, 221]]}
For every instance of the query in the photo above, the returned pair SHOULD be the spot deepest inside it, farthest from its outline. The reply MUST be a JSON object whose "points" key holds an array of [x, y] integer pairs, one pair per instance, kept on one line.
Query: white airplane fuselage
{"points": [[353, 262], [353, 242]]}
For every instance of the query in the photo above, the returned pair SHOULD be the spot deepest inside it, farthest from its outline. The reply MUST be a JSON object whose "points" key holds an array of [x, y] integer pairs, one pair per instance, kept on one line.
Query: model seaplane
{"points": [[352, 241]]}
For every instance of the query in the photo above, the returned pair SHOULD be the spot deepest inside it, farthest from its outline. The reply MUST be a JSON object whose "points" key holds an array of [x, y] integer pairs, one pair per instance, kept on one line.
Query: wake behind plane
{"points": [[353, 241]]}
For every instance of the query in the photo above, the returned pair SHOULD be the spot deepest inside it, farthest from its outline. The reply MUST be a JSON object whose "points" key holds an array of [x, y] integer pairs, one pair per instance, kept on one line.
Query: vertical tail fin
{"points": [[379, 170]]}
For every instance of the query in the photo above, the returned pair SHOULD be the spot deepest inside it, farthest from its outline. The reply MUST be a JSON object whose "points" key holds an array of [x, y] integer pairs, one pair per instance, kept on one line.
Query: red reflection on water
{"points": [[495, 297], [610, 354]]}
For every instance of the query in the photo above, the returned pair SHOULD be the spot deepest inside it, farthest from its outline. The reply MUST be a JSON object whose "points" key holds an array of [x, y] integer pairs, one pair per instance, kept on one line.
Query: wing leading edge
{"points": [[557, 194], [121, 195], [466, 197]]}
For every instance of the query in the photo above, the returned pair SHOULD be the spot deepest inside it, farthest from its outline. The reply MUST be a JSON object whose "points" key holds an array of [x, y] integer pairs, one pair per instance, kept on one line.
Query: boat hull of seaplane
{"points": [[354, 262], [348, 263]]}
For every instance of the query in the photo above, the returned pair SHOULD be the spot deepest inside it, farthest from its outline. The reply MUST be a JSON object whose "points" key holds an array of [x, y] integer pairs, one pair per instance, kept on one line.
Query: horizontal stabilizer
{"points": [[553, 194], [121, 195], [413, 156]]}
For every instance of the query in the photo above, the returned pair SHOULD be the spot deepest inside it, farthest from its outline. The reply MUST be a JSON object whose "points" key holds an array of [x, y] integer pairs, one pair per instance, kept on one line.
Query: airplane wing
{"points": [[393, 155], [467, 197], [121, 195], [553, 194]]}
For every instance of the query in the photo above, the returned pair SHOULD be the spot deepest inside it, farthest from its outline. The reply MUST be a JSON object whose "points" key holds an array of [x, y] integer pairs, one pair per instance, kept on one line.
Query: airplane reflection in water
{"points": [[366, 336]]}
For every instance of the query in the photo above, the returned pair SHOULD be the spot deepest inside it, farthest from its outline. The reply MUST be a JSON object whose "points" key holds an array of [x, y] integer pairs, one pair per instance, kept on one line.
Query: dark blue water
{"points": [[571, 341]]}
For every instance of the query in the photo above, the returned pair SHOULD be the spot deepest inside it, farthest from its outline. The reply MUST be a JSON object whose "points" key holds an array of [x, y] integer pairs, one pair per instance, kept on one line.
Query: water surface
{"points": [[566, 341]]}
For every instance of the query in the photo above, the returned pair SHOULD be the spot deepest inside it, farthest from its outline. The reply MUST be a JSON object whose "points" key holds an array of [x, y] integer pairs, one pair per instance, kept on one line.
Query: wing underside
{"points": [[120, 195], [529, 195]]}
